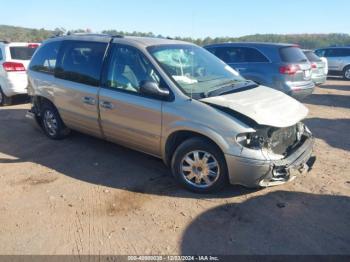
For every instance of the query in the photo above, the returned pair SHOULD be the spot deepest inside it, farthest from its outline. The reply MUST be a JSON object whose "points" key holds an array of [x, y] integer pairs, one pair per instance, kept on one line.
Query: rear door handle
{"points": [[89, 100], [106, 105]]}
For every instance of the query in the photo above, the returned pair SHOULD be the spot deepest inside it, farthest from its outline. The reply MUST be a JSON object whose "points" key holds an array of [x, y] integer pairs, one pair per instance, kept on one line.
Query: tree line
{"points": [[309, 41]]}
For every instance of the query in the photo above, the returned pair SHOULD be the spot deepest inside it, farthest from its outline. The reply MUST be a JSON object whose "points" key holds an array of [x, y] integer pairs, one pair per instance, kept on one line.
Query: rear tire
{"points": [[4, 100], [346, 73], [199, 166], [52, 123]]}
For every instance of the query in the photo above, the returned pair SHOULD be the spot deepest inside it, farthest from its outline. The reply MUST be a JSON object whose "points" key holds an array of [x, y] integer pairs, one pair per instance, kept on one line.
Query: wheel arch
{"points": [[178, 136], [40, 101]]}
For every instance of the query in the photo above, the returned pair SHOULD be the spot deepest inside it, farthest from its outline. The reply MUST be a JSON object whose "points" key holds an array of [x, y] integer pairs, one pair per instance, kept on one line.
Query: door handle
{"points": [[106, 105], [89, 100]]}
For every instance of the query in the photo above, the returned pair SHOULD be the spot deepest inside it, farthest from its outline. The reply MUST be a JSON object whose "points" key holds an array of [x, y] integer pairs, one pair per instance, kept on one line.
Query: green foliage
{"points": [[309, 41], [20, 34]]}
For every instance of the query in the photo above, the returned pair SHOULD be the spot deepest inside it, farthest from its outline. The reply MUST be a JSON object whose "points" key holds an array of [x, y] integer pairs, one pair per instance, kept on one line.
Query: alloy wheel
{"points": [[200, 169], [347, 74], [50, 122]]}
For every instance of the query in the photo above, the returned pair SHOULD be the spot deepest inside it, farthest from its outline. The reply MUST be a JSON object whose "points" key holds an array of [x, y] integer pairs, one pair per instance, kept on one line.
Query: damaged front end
{"points": [[287, 151]]}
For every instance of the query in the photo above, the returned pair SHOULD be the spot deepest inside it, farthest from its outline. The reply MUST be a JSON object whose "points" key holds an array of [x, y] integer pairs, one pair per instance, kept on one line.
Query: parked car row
{"points": [[179, 102], [283, 67]]}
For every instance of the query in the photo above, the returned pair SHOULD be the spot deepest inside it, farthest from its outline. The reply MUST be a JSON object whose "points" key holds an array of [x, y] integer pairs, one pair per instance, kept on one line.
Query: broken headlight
{"points": [[251, 140]]}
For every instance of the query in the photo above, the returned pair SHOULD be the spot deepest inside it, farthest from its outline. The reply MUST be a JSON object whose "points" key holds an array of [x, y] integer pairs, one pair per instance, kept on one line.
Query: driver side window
{"points": [[128, 67]]}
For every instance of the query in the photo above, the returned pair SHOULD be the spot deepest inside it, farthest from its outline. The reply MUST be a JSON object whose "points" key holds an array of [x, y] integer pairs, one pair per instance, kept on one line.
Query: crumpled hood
{"points": [[264, 105]]}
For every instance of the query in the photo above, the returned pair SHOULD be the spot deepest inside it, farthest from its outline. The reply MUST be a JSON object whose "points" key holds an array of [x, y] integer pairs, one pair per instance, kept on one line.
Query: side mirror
{"points": [[152, 89]]}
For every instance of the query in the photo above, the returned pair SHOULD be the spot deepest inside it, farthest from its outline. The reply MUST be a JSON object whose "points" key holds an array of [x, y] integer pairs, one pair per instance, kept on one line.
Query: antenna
{"points": [[192, 55]]}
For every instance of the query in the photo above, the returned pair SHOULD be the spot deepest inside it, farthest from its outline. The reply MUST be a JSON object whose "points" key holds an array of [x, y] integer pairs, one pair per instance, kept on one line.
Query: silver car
{"points": [[173, 100], [319, 68], [338, 60]]}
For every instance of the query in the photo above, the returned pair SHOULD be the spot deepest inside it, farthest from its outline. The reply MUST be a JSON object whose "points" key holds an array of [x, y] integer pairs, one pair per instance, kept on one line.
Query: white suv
{"points": [[14, 60]]}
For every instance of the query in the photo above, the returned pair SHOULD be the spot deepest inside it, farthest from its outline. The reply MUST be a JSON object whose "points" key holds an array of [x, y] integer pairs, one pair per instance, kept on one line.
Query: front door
{"points": [[127, 116], [333, 56]]}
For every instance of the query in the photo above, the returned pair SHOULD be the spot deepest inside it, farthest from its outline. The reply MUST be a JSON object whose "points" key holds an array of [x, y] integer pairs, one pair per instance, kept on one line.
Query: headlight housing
{"points": [[276, 139], [251, 140]]}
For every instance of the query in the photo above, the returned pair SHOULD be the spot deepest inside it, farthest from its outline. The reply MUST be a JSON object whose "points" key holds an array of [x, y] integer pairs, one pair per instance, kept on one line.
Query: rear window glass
{"points": [[21, 52], [312, 56], [292, 55]]}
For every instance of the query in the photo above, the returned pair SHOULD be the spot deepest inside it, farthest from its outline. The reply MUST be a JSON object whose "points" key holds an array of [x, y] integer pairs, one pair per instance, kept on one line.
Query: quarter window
{"points": [[320, 52], [44, 60], [252, 55], [127, 68], [81, 61], [1, 55]]}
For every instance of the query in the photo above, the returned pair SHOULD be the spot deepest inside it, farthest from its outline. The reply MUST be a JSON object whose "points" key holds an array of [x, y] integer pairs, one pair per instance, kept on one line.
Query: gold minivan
{"points": [[173, 100]]}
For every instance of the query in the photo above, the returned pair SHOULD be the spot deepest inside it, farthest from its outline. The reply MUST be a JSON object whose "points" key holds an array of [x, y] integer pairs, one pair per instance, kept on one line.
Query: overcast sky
{"points": [[196, 18]]}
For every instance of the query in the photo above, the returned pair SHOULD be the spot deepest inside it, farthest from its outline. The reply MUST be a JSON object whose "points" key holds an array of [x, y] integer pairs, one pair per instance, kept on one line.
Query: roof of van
{"points": [[143, 41]]}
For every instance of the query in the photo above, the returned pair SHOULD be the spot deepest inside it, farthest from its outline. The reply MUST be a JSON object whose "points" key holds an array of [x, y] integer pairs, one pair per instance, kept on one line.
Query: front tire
{"points": [[52, 123], [346, 73], [199, 166]]}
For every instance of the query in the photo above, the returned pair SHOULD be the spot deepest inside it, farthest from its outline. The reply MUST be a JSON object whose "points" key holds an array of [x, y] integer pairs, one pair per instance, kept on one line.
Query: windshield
{"points": [[194, 69]]}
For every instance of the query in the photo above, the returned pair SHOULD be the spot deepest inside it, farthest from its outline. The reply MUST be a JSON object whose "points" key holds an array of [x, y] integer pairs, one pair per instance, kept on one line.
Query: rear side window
{"points": [[230, 54], [240, 55], [81, 61], [346, 51], [337, 52], [292, 54], [312, 57], [45, 59], [21, 52], [252, 55], [1, 57]]}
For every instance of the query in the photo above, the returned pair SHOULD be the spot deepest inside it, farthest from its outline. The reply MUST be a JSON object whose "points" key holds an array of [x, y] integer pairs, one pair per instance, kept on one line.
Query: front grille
{"points": [[282, 139]]}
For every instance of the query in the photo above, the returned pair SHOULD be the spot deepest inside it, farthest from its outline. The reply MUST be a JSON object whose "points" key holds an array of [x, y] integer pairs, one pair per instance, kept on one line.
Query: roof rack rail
{"points": [[117, 36], [84, 34]]}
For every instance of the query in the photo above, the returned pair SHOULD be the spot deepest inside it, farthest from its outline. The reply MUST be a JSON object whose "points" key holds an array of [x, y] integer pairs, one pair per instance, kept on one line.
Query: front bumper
{"points": [[263, 173]]}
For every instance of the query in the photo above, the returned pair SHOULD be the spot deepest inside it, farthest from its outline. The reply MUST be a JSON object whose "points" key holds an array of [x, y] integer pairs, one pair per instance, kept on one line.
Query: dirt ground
{"points": [[87, 196]]}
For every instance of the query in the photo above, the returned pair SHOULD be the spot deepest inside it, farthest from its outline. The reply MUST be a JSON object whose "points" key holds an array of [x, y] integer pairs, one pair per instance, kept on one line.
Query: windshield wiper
{"points": [[234, 87]]}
